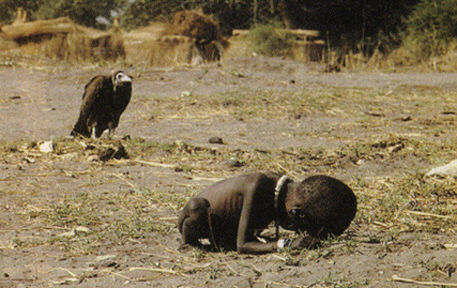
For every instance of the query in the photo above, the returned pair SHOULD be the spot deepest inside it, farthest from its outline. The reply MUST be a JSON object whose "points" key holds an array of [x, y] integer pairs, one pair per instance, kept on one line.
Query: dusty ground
{"points": [[66, 220]]}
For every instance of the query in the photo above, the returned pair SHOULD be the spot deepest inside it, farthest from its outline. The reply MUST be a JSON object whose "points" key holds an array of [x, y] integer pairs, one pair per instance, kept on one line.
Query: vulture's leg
{"points": [[111, 130]]}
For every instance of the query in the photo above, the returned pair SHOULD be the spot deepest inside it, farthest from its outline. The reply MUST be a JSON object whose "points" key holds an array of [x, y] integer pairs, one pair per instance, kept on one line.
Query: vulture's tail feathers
{"points": [[80, 129]]}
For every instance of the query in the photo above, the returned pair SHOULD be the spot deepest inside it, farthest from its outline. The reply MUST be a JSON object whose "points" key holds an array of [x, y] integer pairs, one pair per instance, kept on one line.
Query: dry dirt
{"points": [[68, 221]]}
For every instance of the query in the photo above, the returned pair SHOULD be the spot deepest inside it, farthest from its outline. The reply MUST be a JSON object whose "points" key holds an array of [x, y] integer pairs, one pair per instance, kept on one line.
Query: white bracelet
{"points": [[280, 244]]}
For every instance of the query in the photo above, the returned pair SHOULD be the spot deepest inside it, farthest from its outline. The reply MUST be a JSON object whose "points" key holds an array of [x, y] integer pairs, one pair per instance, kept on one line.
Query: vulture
{"points": [[105, 98]]}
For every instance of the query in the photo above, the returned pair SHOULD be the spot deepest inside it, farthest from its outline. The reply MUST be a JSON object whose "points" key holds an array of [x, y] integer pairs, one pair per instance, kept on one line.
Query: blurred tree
{"points": [[229, 13], [84, 12], [430, 28], [344, 23], [350, 23], [8, 8], [141, 12]]}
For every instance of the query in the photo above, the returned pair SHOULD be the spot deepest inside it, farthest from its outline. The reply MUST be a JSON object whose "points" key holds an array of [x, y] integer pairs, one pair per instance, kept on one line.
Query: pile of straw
{"points": [[63, 39], [196, 25], [192, 38]]}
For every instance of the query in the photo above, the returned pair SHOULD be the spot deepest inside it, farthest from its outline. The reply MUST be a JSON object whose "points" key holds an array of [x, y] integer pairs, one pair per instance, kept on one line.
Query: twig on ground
{"points": [[424, 283], [233, 270], [419, 213], [68, 271], [382, 224], [158, 270], [127, 182], [118, 274], [155, 164], [450, 246], [171, 218]]}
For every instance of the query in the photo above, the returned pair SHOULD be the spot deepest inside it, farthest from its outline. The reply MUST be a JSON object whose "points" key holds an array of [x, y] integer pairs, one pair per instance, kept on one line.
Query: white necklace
{"points": [[278, 188]]}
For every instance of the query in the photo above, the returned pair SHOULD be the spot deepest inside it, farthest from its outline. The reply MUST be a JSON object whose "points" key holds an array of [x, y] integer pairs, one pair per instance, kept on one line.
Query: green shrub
{"points": [[270, 40], [430, 28]]}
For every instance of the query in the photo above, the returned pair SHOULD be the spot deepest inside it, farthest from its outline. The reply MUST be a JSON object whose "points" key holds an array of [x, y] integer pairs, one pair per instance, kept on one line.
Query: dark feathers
{"points": [[105, 98]]}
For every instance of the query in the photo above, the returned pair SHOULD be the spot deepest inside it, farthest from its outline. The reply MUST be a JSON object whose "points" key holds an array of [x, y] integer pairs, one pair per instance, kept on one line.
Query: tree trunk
{"points": [[285, 13], [255, 8]]}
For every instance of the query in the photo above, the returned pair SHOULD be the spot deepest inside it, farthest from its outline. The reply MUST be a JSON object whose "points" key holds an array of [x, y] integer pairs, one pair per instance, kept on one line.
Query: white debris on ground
{"points": [[446, 170], [46, 147]]}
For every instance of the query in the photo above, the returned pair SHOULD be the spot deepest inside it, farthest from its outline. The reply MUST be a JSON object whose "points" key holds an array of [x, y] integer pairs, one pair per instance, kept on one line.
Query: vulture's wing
{"points": [[88, 84], [96, 92]]}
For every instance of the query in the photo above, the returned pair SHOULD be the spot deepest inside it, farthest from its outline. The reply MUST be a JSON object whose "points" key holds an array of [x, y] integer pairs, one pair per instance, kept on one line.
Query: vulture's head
{"points": [[120, 78]]}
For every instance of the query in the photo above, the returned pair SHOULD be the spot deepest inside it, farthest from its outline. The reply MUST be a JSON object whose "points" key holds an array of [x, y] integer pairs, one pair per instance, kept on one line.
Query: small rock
{"points": [[105, 257], [89, 147], [75, 231], [185, 93], [233, 162], [360, 162], [29, 160], [406, 118], [395, 148], [120, 153], [7, 63], [375, 113], [112, 264], [215, 140], [446, 170], [69, 156], [107, 154], [67, 281], [93, 158], [46, 147], [117, 152], [81, 229], [239, 75]]}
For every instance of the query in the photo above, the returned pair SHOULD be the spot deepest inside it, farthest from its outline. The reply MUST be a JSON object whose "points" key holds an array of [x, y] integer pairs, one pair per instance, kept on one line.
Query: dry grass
{"points": [[118, 208], [408, 202]]}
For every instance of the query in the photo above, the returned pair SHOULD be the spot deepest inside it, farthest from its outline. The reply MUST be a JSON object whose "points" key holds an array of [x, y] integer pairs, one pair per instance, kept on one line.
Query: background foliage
{"points": [[426, 26], [430, 28]]}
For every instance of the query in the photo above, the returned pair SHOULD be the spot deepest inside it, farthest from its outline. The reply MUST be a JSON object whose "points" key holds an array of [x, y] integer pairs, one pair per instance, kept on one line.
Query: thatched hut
{"points": [[304, 45], [61, 38], [195, 24], [192, 38]]}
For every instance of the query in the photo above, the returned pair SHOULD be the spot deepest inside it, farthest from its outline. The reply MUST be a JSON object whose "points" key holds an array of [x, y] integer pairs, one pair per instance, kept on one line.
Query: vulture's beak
{"points": [[125, 78]]}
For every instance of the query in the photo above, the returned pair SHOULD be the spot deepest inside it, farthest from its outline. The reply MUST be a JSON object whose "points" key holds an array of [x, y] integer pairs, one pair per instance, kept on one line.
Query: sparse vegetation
{"points": [[115, 219], [267, 39]]}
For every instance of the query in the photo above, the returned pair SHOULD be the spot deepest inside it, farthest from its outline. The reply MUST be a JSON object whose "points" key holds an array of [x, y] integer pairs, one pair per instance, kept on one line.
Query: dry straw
{"points": [[192, 38], [63, 39]]}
